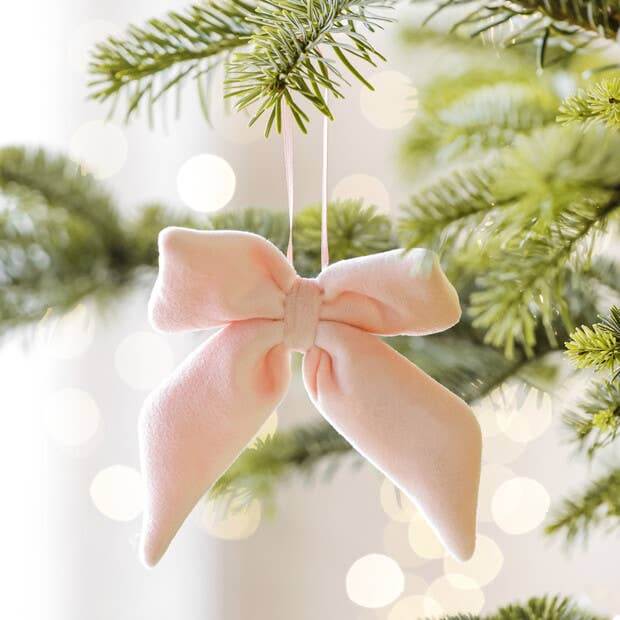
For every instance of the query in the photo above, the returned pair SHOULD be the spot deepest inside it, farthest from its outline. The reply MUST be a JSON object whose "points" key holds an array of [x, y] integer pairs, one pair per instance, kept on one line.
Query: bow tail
{"points": [[418, 433], [193, 427]]}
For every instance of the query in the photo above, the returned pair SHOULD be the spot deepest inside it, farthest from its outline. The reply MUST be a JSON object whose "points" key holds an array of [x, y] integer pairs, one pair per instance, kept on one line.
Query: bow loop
{"points": [[212, 278], [390, 293]]}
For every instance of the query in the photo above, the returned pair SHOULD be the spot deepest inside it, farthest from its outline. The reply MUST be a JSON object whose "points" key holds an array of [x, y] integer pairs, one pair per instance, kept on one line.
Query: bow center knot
{"points": [[301, 314]]}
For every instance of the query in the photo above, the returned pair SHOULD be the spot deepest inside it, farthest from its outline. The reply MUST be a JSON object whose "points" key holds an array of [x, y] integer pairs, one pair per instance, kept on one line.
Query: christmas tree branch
{"points": [[598, 103], [287, 55], [572, 24], [272, 50], [596, 422], [597, 347], [599, 504], [150, 60], [62, 238]]}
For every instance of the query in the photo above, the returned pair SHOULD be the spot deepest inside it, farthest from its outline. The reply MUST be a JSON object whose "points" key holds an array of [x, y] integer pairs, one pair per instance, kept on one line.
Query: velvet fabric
{"points": [[419, 434]]}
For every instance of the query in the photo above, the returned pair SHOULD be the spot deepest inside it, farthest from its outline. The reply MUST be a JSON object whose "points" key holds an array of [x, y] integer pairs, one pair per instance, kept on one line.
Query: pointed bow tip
{"points": [[463, 549], [150, 555]]}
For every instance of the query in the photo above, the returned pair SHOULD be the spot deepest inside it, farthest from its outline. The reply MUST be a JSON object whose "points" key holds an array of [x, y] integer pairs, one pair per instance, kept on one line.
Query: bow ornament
{"points": [[419, 434]]}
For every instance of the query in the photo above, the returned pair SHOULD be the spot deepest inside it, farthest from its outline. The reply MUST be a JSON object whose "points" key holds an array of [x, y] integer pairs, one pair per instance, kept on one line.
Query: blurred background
{"points": [[73, 382]]}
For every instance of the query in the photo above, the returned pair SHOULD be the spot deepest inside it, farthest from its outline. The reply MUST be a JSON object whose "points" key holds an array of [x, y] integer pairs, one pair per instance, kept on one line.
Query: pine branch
{"points": [[529, 277], [536, 608], [597, 103], [480, 118], [441, 215], [598, 505], [354, 229], [62, 238], [567, 26], [287, 55], [256, 473], [150, 60], [597, 347], [596, 422], [544, 608]]}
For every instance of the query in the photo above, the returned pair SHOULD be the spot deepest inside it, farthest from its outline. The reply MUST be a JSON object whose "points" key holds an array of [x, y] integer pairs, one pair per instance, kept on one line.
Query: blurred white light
{"points": [[374, 580], [466, 598], [415, 606], [117, 492], [396, 545], [233, 522], [480, 569], [67, 336], [206, 182], [395, 503], [365, 187], [491, 477], [526, 415], [520, 505], [423, 539], [143, 359], [392, 104], [100, 148], [71, 416], [501, 450], [486, 414]]}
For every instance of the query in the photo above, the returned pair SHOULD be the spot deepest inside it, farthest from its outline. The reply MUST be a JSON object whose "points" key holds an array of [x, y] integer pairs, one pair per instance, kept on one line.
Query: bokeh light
{"points": [[486, 414], [99, 148], [233, 521], [71, 416], [525, 415], [374, 580], [117, 492], [396, 545], [466, 598], [395, 503], [67, 336], [501, 450], [480, 569], [423, 539], [143, 359], [206, 182], [491, 477], [392, 104], [363, 186], [415, 606], [520, 505]]}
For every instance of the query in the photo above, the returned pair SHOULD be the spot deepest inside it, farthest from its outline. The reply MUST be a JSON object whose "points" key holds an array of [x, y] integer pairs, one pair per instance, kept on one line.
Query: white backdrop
{"points": [[64, 557]]}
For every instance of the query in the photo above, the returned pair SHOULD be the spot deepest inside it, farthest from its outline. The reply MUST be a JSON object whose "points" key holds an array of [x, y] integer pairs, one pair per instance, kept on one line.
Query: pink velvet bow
{"points": [[419, 434]]}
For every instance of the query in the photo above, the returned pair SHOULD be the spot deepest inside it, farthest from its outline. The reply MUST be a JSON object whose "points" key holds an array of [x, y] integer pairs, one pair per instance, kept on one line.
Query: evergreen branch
{"points": [[598, 346], [599, 504], [440, 216], [62, 238], [529, 277], [597, 103], [597, 421], [543, 608], [286, 55], [150, 60], [256, 472], [480, 118], [536, 608], [571, 25]]}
